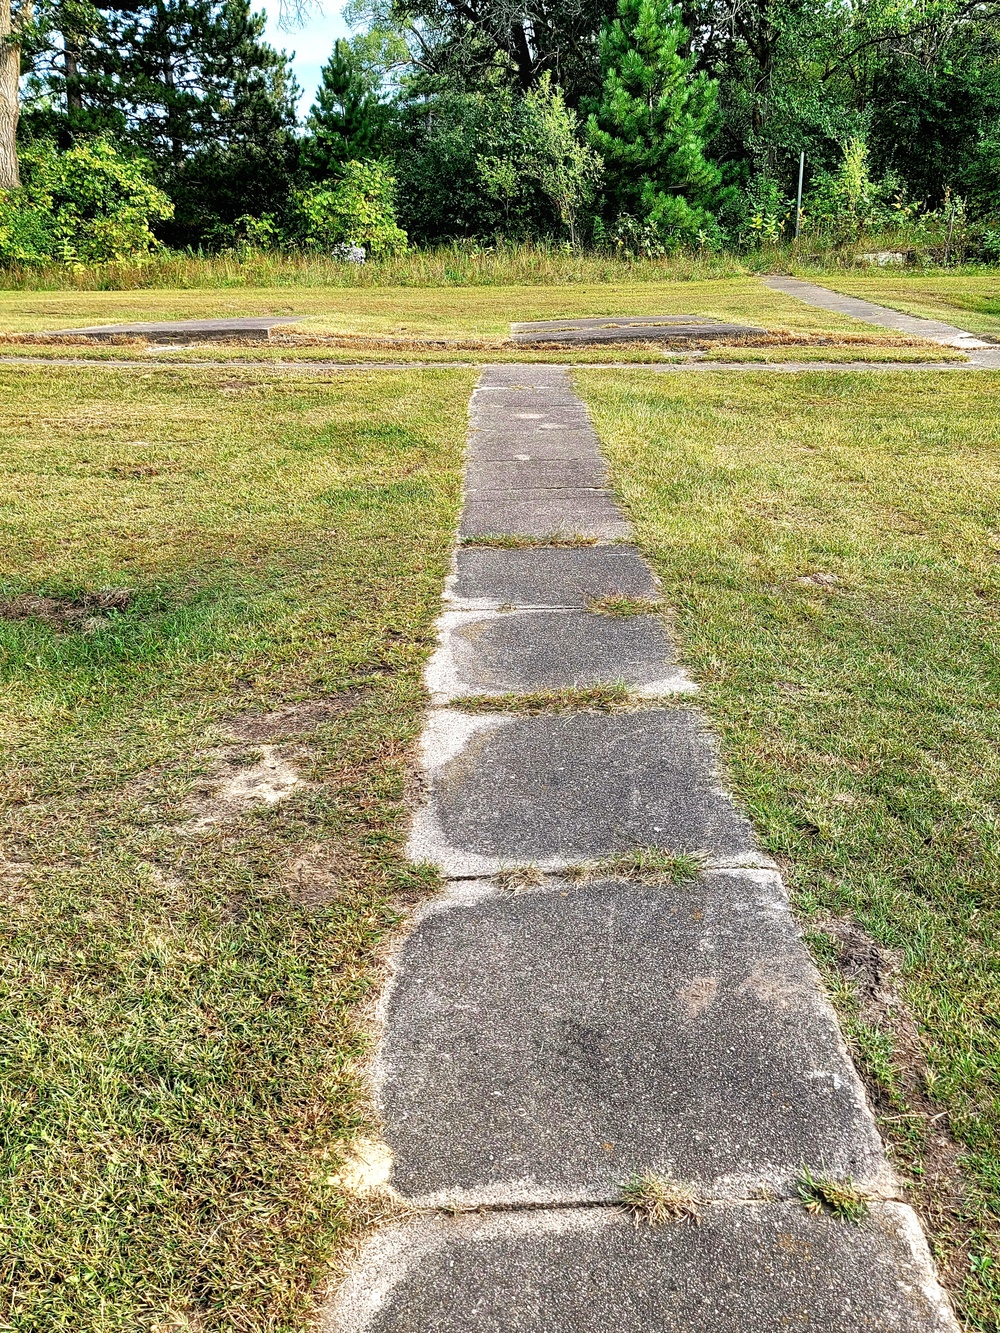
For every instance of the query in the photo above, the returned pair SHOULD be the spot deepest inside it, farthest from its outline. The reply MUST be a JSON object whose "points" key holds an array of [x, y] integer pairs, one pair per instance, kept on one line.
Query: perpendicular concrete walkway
{"points": [[541, 1046], [824, 299]]}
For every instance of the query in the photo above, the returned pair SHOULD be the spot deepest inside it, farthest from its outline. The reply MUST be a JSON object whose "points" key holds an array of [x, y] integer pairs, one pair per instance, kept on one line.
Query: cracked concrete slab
{"points": [[550, 577], [543, 513], [504, 789], [748, 1268], [545, 1046], [509, 651]]}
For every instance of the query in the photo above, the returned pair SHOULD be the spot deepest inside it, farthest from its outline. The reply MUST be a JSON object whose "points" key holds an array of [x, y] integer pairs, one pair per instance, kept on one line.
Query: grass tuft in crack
{"points": [[822, 1194], [626, 606], [648, 865], [513, 542], [654, 1199], [511, 879], [588, 698]]}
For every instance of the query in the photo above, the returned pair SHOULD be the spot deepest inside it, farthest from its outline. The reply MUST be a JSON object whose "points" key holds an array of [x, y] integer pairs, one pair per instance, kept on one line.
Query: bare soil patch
{"points": [[82, 612]]}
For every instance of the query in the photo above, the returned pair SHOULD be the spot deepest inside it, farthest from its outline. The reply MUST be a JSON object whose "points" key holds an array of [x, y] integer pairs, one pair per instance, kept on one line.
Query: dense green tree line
{"points": [[638, 124]]}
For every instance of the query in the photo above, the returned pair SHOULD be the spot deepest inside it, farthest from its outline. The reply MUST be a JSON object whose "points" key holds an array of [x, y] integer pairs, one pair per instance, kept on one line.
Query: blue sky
{"points": [[312, 43]]}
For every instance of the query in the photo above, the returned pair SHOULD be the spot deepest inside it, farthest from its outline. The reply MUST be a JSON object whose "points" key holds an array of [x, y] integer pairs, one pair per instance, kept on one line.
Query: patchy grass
{"points": [[830, 546], [840, 1198], [654, 1200], [310, 355], [424, 312], [202, 821], [625, 606], [971, 301], [573, 699], [836, 355]]}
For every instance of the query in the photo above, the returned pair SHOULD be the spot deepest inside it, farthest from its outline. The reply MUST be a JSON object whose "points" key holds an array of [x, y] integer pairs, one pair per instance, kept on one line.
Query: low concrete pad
{"points": [[627, 328], [543, 513], [503, 652], [525, 473], [749, 1268], [506, 789], [255, 328], [550, 577], [545, 1046]]}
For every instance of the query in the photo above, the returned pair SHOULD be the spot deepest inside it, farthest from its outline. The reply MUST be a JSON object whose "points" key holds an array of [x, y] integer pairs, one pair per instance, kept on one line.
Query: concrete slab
{"points": [[550, 577], [749, 1268], [508, 651], [543, 1047], [254, 328], [543, 513], [526, 473], [627, 328], [935, 330], [505, 445], [505, 789]]}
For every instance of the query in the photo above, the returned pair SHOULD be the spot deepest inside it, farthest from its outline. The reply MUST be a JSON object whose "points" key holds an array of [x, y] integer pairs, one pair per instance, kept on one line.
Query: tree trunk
{"points": [[10, 106]]}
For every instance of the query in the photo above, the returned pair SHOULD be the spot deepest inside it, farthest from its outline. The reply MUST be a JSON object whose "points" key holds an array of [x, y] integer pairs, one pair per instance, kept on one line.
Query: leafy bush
{"points": [[88, 205], [357, 209]]}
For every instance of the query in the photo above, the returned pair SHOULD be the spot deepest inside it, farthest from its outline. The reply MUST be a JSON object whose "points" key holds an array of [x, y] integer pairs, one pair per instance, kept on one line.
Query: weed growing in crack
{"points": [[625, 606], [512, 542], [649, 865], [654, 1199], [513, 878], [593, 698], [823, 1194]]}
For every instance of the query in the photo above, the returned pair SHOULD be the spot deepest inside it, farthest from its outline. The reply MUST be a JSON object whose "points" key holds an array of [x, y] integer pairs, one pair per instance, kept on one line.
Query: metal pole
{"points": [[798, 202]]}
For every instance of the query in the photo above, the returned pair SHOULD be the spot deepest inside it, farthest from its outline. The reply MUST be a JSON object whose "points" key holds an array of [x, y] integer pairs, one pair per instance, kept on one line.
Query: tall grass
{"points": [[457, 265], [445, 266]]}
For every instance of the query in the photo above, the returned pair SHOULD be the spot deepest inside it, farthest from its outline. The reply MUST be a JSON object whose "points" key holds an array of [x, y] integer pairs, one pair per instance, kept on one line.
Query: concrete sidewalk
{"points": [[824, 299], [541, 1046]]}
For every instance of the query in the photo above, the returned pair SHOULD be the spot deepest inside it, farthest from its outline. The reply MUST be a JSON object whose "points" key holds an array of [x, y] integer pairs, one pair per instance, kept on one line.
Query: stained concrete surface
{"points": [[546, 1045], [749, 1268]]}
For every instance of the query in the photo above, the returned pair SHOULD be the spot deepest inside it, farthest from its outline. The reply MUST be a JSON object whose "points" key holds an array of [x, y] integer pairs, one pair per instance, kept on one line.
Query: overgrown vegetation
{"points": [[829, 546], [183, 961], [635, 128]]}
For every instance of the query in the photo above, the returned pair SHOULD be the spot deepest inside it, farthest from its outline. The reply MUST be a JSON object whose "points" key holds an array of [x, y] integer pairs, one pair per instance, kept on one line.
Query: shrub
{"points": [[356, 210], [88, 205]]}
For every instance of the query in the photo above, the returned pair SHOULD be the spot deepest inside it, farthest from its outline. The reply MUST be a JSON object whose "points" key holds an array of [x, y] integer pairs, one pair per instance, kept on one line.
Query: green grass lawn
{"points": [[831, 546], [183, 964], [971, 301], [444, 312]]}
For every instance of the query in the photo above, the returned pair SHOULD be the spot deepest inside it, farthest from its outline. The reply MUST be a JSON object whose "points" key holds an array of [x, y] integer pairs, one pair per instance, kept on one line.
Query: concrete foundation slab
{"points": [[627, 328]]}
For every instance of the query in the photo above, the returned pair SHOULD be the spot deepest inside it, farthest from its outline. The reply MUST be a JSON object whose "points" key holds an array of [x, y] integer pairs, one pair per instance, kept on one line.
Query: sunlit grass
{"points": [[180, 1001], [830, 546]]}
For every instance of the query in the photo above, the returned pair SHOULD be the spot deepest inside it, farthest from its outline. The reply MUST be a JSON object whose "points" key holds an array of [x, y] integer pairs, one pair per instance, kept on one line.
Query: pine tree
{"points": [[652, 121], [193, 87], [347, 121]]}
